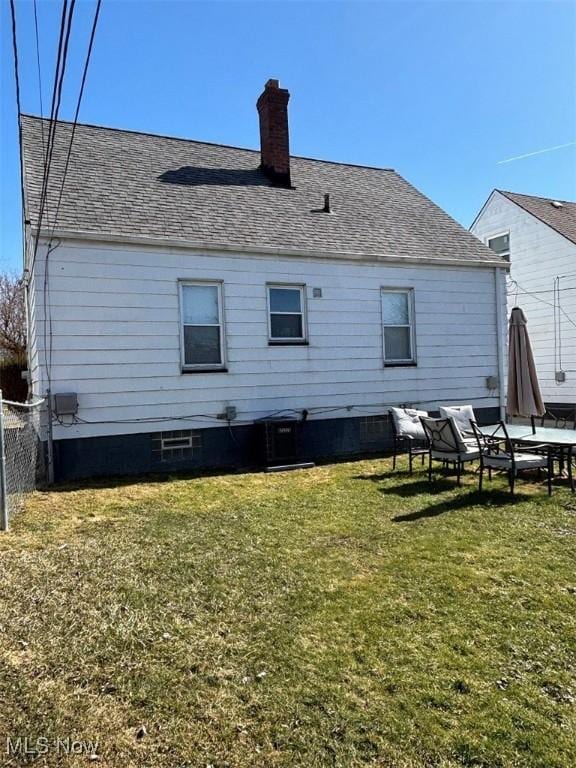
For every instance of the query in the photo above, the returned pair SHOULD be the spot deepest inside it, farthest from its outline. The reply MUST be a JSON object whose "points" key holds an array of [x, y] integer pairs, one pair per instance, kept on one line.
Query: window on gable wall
{"points": [[398, 329], [202, 326], [286, 314], [500, 244]]}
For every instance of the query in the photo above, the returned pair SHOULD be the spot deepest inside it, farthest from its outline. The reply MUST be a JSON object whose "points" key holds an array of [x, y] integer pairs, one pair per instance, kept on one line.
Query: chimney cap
{"points": [[272, 83]]}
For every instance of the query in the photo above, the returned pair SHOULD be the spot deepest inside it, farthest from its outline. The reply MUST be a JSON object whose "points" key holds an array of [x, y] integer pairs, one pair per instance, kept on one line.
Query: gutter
{"points": [[154, 242]]}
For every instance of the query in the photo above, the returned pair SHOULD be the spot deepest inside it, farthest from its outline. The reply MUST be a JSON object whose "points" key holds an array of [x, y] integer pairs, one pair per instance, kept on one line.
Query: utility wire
{"points": [[59, 70], [543, 301], [285, 412], [75, 122], [39, 77], [18, 107], [551, 290], [48, 358]]}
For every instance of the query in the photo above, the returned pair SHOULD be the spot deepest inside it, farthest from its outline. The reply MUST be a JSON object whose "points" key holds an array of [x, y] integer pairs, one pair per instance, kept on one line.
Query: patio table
{"points": [[522, 433]]}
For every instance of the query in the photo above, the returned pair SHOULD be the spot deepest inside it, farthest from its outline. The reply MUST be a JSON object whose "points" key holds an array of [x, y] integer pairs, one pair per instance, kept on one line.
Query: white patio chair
{"points": [[509, 460], [447, 445], [408, 433]]}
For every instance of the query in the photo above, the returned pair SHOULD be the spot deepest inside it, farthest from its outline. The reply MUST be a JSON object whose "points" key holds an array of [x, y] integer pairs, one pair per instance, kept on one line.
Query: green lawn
{"points": [[340, 616]]}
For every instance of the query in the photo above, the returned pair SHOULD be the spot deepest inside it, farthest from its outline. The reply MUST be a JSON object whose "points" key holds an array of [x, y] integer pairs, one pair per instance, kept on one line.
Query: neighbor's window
{"points": [[500, 244], [286, 313], [398, 325], [202, 325]]}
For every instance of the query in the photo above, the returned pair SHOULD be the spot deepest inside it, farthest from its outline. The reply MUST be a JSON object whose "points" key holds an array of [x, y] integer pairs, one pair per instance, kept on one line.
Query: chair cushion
{"points": [[462, 415], [467, 455], [522, 460], [407, 422]]}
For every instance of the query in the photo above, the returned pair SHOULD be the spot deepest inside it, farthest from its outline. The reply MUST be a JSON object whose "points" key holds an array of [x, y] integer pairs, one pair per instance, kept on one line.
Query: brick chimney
{"points": [[274, 150]]}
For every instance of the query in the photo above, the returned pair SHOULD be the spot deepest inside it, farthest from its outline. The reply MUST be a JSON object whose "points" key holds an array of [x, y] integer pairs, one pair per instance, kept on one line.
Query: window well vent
{"points": [[176, 446]]}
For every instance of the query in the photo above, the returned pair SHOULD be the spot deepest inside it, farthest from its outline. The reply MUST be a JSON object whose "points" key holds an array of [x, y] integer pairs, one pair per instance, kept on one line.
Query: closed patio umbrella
{"points": [[524, 398]]}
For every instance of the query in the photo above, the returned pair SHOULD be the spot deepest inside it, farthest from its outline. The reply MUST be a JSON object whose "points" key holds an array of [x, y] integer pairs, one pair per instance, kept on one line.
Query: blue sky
{"points": [[440, 91]]}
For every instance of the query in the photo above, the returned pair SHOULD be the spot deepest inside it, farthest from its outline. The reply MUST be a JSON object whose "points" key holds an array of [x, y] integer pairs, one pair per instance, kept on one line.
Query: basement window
{"points": [[176, 445], [500, 244]]}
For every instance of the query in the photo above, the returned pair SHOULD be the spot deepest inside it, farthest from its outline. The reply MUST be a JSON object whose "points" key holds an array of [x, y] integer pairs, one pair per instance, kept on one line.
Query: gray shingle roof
{"points": [[563, 219], [126, 183]]}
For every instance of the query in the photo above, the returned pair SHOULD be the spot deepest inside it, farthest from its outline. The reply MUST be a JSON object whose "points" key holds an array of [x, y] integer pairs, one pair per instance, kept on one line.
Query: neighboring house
{"points": [[538, 237], [194, 289]]}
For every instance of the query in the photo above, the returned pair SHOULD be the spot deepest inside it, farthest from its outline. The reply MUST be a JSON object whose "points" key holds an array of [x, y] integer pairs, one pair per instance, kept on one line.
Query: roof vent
{"points": [[556, 204], [326, 208]]}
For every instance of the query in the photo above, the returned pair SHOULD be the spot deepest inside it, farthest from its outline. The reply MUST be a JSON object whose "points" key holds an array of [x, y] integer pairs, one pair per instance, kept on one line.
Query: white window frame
{"points": [[303, 312], [169, 443], [203, 366], [506, 254], [411, 325]]}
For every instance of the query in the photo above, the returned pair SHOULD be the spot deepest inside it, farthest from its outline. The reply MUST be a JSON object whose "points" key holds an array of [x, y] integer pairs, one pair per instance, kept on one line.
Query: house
{"points": [[188, 292], [538, 236]]}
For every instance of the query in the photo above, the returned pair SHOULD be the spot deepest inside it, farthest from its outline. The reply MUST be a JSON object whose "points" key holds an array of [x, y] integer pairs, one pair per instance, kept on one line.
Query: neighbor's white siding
{"points": [[115, 337], [538, 255]]}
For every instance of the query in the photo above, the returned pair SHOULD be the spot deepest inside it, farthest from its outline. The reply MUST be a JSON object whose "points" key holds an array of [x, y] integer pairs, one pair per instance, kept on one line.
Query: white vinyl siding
{"points": [[286, 313], [398, 333], [116, 337], [538, 255], [201, 325]]}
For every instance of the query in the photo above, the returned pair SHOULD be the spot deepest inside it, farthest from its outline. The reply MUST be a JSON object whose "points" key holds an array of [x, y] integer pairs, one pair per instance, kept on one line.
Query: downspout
{"points": [[501, 311], [26, 281]]}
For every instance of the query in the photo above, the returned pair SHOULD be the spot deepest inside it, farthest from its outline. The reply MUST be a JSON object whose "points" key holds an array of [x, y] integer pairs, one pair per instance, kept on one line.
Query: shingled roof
{"points": [[561, 218], [123, 183]]}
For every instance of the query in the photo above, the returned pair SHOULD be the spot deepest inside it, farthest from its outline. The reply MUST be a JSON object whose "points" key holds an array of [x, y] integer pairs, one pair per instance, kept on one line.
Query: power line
{"points": [[78, 104], [542, 301], [48, 359], [39, 76], [18, 107], [59, 70], [551, 290]]}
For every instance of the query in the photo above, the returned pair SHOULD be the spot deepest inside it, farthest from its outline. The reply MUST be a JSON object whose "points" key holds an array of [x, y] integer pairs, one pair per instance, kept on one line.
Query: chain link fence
{"points": [[19, 455]]}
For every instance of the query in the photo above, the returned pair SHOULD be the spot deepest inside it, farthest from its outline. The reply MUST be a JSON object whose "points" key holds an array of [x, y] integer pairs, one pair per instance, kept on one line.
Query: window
{"points": [[398, 326], [286, 314], [176, 445], [202, 326], [500, 244]]}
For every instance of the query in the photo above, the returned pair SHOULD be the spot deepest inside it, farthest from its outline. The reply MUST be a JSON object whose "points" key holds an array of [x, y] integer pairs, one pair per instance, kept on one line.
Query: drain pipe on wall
{"points": [[501, 318]]}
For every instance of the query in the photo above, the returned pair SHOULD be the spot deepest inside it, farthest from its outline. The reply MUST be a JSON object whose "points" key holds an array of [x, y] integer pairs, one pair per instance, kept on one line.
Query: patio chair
{"points": [[557, 416], [508, 459], [560, 417], [408, 434], [462, 415], [446, 444]]}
